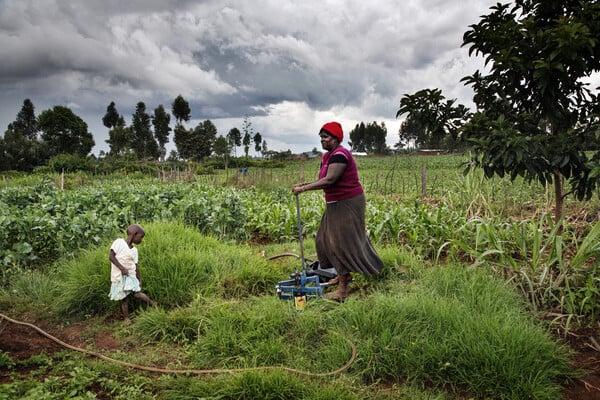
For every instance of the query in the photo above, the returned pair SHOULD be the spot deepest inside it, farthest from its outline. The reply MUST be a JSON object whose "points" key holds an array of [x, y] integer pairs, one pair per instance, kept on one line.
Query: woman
{"points": [[342, 241]]}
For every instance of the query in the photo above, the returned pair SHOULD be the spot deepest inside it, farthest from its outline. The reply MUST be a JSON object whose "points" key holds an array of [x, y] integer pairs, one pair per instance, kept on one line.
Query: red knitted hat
{"points": [[334, 129]]}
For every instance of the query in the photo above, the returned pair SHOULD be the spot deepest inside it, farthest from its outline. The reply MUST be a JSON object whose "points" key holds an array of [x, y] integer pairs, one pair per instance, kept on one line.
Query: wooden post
{"points": [[423, 181]]}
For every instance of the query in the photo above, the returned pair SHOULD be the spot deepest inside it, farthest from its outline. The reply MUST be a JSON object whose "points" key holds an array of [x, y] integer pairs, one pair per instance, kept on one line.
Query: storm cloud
{"points": [[287, 65]]}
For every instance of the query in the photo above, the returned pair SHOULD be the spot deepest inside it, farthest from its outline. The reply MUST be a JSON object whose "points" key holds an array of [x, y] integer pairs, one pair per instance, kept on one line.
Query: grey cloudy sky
{"points": [[289, 65]]}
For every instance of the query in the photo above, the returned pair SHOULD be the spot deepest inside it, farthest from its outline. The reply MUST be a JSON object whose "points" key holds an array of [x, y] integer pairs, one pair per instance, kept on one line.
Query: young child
{"points": [[124, 271]]}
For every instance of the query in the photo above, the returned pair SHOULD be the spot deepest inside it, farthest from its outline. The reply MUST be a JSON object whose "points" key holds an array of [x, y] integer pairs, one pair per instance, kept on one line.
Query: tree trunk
{"points": [[558, 196]]}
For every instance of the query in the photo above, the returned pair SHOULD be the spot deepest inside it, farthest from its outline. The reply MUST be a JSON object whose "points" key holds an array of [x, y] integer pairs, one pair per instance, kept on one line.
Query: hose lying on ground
{"points": [[184, 371]]}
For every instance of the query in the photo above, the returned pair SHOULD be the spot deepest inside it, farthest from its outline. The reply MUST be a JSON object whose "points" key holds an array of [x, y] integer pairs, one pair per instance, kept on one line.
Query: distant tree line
{"points": [[148, 134], [58, 137], [32, 141]]}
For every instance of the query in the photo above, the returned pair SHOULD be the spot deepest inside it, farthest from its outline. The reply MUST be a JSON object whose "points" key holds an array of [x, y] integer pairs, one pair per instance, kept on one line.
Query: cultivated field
{"points": [[483, 296]]}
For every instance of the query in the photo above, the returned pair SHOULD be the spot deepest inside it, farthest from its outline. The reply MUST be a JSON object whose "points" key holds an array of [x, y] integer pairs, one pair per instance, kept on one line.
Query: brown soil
{"points": [[22, 342]]}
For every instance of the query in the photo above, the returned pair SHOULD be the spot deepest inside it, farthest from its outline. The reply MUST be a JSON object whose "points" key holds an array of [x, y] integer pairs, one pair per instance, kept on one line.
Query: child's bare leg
{"points": [[142, 296], [125, 308]]}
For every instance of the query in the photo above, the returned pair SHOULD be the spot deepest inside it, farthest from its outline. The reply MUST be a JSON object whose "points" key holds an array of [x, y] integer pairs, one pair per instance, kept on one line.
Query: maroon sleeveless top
{"points": [[348, 185]]}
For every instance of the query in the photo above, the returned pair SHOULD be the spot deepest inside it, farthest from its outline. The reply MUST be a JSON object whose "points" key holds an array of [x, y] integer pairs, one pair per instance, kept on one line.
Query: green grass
{"points": [[423, 333]]}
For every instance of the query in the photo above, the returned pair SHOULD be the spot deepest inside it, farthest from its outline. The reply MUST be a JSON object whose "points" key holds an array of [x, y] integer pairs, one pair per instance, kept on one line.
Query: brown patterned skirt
{"points": [[342, 241]]}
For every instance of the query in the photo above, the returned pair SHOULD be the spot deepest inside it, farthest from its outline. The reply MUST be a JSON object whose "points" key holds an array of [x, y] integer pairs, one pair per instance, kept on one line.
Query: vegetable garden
{"points": [[479, 297]]}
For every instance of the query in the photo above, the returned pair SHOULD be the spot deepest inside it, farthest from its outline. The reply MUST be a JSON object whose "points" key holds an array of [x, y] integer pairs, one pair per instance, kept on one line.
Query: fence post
{"points": [[423, 181]]}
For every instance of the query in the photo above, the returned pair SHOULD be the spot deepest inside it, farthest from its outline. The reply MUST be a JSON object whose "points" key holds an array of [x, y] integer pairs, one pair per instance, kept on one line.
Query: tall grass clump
{"points": [[177, 264], [551, 267], [449, 328], [30, 289], [459, 329], [272, 385]]}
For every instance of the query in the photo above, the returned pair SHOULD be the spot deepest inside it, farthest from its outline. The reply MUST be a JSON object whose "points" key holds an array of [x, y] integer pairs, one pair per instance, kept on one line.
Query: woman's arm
{"points": [[334, 172]]}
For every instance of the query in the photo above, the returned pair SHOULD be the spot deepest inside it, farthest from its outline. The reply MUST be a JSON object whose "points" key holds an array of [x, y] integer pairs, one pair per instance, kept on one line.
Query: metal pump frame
{"points": [[304, 283]]}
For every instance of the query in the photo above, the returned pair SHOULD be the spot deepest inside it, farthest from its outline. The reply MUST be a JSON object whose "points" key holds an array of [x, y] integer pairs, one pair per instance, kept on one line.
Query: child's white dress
{"points": [[121, 285]]}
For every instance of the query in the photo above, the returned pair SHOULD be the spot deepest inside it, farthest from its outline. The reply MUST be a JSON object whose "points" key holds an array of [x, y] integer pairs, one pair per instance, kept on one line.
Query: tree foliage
{"points": [[221, 147], [410, 134], [111, 118], [183, 141], [204, 136], [257, 139], [142, 140], [234, 137], [26, 121], [535, 115], [119, 139], [248, 131], [20, 148], [65, 132], [195, 144], [160, 121], [438, 118], [369, 138], [180, 109]]}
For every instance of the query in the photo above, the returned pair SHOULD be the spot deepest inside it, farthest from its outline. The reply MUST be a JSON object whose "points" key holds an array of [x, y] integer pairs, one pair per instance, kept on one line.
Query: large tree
{"points": [[184, 142], [440, 119], [142, 140], [222, 149], [119, 139], [180, 109], [410, 134], [234, 137], [111, 118], [257, 139], [64, 132], [535, 115], [195, 144], [204, 136], [119, 135], [369, 138], [26, 121], [160, 121], [248, 134], [20, 148]]}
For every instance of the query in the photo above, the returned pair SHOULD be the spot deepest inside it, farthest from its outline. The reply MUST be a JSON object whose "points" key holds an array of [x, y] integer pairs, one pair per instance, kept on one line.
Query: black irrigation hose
{"points": [[308, 260], [283, 255], [185, 371]]}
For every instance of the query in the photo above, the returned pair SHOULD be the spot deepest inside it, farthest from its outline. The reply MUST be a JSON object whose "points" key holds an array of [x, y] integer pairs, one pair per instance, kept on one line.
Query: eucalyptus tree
{"points": [[20, 148], [180, 109], [160, 121], [142, 140], [26, 121], [119, 139], [111, 117], [182, 137], [257, 139], [234, 137], [119, 135], [410, 134], [222, 149], [536, 116], [368, 138], [248, 134], [204, 136], [183, 142]]}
